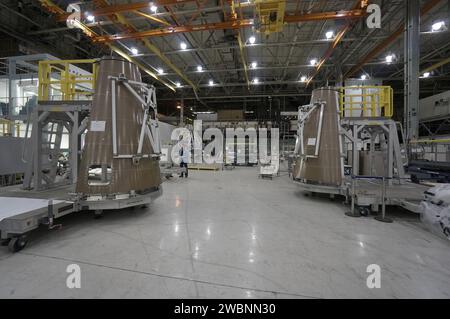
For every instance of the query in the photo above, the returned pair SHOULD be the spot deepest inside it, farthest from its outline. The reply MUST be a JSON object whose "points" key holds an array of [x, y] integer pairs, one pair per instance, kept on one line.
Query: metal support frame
{"points": [[146, 95], [382, 218], [11, 87], [386, 131], [231, 24], [304, 113], [42, 154], [16, 63]]}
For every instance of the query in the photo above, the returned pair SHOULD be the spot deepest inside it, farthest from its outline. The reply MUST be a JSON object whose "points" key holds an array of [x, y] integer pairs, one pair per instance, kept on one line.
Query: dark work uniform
{"points": [[183, 164]]}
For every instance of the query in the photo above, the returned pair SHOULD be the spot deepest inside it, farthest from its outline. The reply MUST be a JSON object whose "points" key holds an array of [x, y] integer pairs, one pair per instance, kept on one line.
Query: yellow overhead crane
{"points": [[270, 15]]}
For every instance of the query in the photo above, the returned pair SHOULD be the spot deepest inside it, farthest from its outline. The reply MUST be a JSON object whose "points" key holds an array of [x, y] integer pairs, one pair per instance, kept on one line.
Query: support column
{"points": [[12, 92], [37, 153], [182, 113], [390, 149], [74, 147], [411, 60], [355, 151]]}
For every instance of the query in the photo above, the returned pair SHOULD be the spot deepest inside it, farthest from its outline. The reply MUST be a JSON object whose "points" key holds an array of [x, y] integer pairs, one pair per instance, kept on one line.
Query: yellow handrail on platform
{"points": [[57, 75], [367, 102]]}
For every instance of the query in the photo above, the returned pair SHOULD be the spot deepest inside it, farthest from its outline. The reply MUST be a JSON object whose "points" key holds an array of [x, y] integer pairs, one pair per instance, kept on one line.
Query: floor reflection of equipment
{"points": [[113, 153], [349, 145]]}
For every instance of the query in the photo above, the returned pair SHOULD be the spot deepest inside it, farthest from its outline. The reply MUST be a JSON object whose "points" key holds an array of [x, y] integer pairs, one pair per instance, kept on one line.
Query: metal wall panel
{"points": [[435, 107], [11, 155]]}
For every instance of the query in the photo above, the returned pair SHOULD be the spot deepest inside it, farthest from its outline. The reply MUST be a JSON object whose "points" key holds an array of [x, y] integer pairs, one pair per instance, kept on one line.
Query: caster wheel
{"points": [[98, 214], [17, 243], [364, 211]]}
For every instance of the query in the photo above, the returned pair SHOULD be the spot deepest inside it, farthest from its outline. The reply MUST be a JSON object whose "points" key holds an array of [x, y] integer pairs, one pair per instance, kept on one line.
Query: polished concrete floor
{"points": [[228, 234]]}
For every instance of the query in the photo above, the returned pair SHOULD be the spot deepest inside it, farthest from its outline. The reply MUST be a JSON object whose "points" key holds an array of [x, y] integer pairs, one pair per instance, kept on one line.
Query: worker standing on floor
{"points": [[184, 157]]}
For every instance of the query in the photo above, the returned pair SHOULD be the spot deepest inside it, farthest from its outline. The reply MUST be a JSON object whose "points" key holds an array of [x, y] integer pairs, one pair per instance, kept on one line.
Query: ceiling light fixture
{"points": [[183, 46], [90, 17], [437, 26], [313, 62], [160, 71], [134, 51], [199, 68], [329, 34], [252, 39], [254, 65], [390, 58], [211, 82]]}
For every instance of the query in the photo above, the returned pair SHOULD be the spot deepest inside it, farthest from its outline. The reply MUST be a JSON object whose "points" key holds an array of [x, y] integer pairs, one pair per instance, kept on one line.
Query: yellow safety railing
{"points": [[7, 127], [366, 101], [57, 79]]}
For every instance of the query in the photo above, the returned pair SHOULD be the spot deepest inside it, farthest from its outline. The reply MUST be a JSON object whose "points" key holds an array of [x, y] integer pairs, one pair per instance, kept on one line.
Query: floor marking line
{"points": [[171, 277]]}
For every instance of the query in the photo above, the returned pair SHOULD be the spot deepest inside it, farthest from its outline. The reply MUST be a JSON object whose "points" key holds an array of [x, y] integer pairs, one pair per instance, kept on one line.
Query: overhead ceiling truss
{"points": [[217, 35]]}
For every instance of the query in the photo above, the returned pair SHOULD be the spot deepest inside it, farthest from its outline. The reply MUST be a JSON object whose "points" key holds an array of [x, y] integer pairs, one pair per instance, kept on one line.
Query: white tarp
{"points": [[435, 210], [11, 206]]}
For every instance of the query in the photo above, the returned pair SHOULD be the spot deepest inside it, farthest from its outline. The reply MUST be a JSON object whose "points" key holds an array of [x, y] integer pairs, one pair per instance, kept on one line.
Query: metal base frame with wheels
{"points": [[17, 243], [15, 226], [368, 194]]}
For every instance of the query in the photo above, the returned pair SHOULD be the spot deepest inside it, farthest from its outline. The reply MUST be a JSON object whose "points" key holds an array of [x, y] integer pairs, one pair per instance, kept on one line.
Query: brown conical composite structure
{"points": [[327, 168], [122, 175]]}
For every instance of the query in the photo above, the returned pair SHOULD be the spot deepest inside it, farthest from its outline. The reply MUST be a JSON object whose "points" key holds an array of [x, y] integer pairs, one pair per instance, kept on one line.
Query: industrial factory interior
{"points": [[225, 149]]}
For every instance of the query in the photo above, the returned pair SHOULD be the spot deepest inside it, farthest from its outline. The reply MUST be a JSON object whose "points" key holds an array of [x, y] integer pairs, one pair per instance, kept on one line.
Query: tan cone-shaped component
{"points": [[327, 168], [98, 150]]}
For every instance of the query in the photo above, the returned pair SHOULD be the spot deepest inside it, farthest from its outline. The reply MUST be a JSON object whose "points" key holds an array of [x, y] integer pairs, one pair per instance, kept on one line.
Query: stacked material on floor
{"points": [[435, 210], [206, 167]]}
